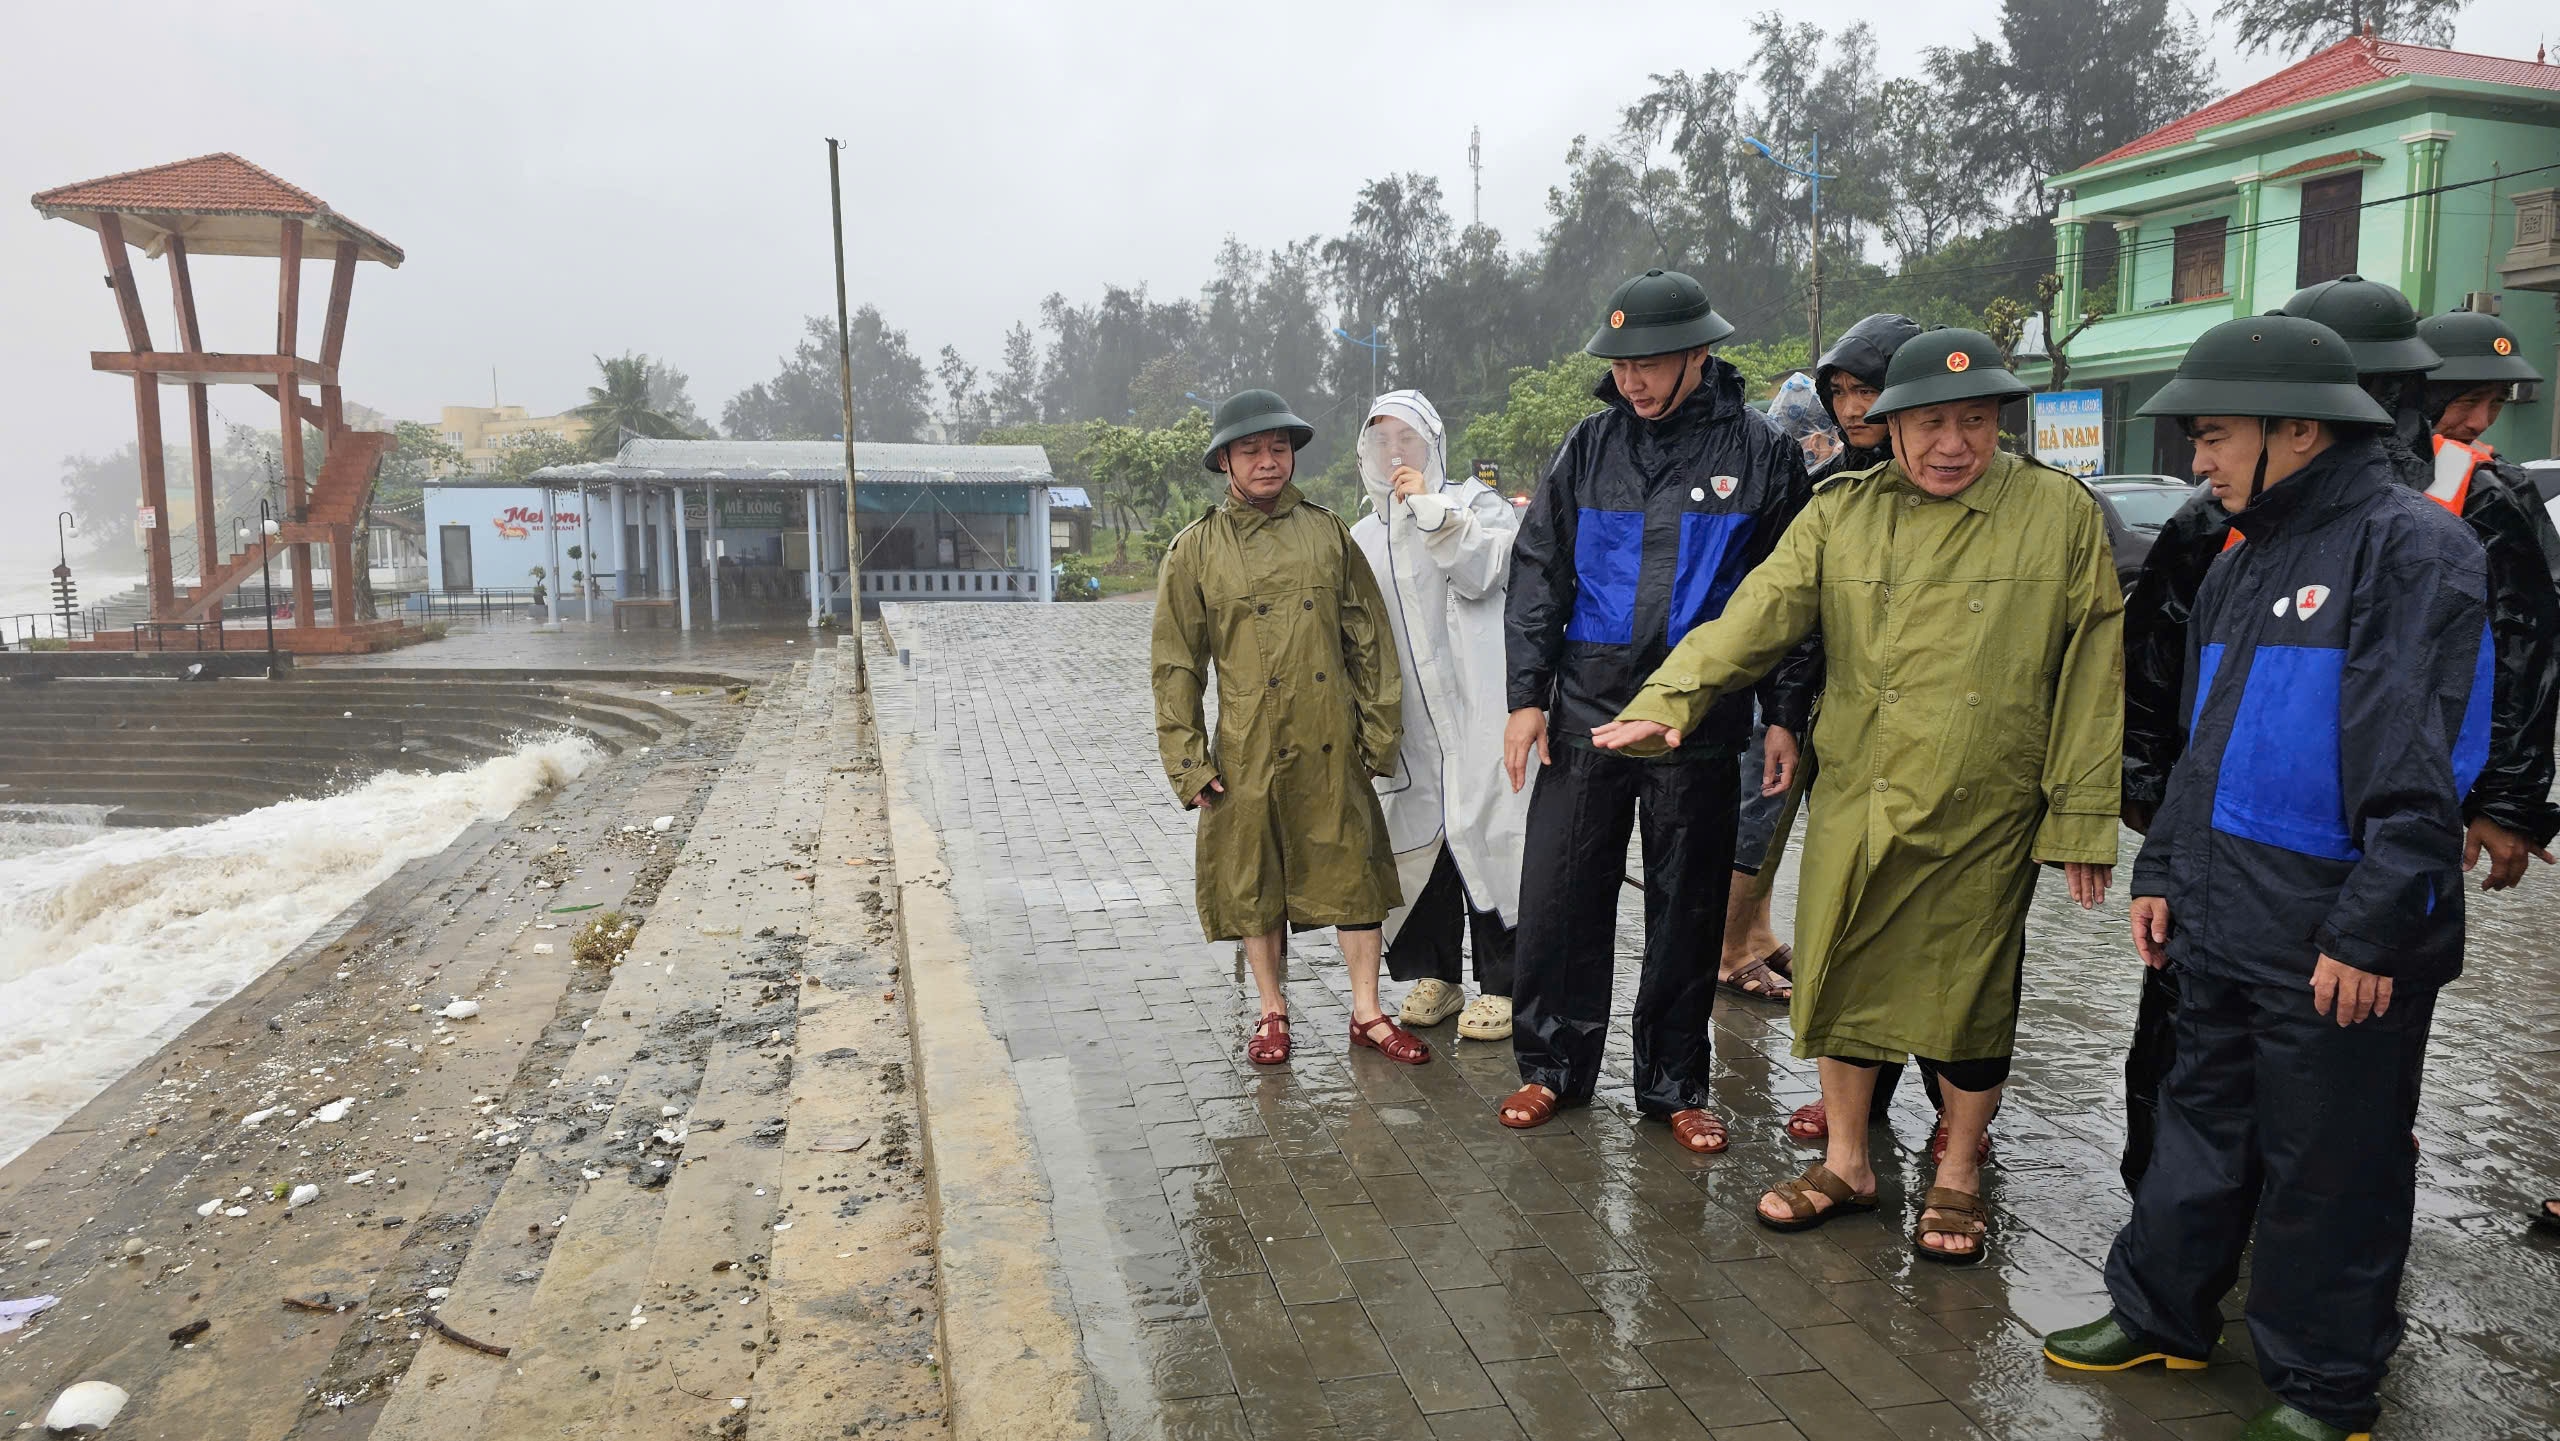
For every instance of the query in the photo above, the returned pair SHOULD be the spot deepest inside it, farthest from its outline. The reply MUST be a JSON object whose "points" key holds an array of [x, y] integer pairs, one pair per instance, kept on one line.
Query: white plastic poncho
{"points": [[1444, 559]]}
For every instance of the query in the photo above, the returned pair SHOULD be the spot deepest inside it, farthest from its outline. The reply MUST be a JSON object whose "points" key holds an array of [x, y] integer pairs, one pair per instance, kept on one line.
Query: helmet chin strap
{"points": [[2258, 479]]}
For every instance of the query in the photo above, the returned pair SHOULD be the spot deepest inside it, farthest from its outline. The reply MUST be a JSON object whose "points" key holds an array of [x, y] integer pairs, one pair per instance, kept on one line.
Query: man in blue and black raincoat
{"points": [[2303, 882], [1652, 513], [2508, 814]]}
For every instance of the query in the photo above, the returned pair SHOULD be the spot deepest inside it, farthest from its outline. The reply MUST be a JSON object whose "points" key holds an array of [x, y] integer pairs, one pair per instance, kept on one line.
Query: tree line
{"points": [[1933, 204]]}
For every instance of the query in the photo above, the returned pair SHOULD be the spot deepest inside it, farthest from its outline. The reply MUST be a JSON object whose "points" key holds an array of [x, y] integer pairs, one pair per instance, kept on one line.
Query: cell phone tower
{"points": [[1475, 162]]}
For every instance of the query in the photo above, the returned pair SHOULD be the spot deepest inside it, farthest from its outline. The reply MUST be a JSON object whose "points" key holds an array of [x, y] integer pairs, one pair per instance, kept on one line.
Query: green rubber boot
{"points": [[2105, 1345], [2282, 1423]]}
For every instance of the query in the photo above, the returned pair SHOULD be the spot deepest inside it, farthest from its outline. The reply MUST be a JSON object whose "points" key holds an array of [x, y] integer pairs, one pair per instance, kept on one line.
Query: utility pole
{"points": [[844, 379], [1813, 351], [1475, 162], [1812, 172]]}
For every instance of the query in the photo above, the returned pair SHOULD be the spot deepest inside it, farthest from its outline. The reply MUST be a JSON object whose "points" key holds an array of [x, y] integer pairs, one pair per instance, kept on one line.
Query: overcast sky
{"points": [[576, 179]]}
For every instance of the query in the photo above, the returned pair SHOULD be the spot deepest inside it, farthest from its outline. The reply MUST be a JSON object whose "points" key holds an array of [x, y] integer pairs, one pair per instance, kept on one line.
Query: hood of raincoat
{"points": [[1379, 458]]}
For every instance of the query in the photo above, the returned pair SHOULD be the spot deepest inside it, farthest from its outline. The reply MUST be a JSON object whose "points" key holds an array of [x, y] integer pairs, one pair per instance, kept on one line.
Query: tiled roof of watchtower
{"points": [[207, 199]]}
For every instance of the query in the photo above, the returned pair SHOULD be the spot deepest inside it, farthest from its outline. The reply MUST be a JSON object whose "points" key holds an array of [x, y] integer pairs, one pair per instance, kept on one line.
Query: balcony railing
{"points": [[950, 584]]}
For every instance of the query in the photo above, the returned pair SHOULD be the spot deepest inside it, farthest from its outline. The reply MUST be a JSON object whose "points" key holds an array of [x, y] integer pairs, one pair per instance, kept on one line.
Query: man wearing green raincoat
{"points": [[1270, 589], [1972, 726]]}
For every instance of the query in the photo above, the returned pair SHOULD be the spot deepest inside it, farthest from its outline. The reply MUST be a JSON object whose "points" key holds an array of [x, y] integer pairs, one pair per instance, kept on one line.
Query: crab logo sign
{"points": [[1724, 485], [2308, 600]]}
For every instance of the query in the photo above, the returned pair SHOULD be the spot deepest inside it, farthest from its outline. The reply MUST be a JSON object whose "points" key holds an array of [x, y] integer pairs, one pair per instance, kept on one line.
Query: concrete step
{"points": [[854, 1314], [729, 1200], [657, 1029]]}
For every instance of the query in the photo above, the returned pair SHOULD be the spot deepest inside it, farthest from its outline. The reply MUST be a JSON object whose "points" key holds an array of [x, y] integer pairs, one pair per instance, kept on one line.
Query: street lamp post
{"points": [[1812, 173], [1373, 345], [267, 532], [66, 599]]}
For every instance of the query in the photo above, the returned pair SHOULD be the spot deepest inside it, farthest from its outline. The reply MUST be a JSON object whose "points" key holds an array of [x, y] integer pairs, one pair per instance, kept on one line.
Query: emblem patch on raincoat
{"points": [[1724, 486], [2308, 600]]}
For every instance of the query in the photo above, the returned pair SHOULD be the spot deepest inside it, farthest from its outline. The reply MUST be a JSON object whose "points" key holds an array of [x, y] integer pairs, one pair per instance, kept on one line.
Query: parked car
{"points": [[2136, 507], [2545, 475]]}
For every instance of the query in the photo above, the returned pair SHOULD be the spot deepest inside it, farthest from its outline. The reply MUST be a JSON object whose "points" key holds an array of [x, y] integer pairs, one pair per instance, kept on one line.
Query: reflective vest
{"points": [[2455, 465]]}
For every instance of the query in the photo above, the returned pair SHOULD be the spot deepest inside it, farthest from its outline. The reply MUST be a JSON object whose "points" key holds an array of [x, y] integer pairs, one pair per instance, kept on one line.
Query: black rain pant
{"points": [[2277, 1115], [1586, 805], [1431, 943], [2155, 1046]]}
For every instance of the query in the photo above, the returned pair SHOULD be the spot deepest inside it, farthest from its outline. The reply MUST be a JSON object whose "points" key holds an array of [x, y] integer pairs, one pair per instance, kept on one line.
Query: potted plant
{"points": [[540, 594]]}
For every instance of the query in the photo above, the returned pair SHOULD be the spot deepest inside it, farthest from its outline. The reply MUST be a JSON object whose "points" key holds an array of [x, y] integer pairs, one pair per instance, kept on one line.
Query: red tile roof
{"points": [[218, 184], [2347, 65], [221, 183]]}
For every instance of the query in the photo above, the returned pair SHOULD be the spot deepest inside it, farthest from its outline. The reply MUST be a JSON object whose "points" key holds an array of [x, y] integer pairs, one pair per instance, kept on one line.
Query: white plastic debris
{"points": [[209, 1207], [14, 1314], [588, 1175], [235, 1212], [258, 1118], [41, 1243], [88, 1406], [663, 823], [460, 1011], [544, 948], [438, 1293], [671, 1112], [303, 1195], [334, 1112], [360, 1178]]}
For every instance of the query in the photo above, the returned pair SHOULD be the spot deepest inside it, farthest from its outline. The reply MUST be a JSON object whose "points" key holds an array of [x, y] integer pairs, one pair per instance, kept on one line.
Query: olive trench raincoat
{"points": [[1972, 724], [1309, 703]]}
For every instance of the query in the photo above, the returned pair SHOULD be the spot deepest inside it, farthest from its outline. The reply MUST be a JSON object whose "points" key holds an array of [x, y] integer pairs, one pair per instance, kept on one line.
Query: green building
{"points": [[2434, 170]]}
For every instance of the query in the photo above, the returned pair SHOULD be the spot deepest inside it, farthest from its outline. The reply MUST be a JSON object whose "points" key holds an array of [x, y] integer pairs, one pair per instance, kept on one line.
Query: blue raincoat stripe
{"points": [[1608, 559], [1713, 558]]}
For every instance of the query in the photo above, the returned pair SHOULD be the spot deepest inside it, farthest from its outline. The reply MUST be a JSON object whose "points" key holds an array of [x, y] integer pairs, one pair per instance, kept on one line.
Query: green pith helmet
{"points": [[1944, 364], [1657, 313], [2377, 322], [2274, 367], [1251, 412], [2477, 349]]}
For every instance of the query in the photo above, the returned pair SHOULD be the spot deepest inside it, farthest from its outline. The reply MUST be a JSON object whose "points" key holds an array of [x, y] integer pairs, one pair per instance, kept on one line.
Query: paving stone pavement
{"points": [[1350, 1247]]}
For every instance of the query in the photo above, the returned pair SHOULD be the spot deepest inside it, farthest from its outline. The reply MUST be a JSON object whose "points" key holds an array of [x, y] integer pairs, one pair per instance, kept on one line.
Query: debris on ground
{"points": [[85, 1407], [14, 1314]]}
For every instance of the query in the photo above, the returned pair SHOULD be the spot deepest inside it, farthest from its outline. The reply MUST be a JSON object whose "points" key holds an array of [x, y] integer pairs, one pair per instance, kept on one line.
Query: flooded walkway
{"points": [[1349, 1247]]}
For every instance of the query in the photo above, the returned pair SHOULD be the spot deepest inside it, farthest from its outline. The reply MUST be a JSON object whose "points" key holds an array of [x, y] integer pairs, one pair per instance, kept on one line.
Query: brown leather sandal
{"points": [[1534, 1101], [1270, 1043], [1798, 1194], [1399, 1045], [1962, 1214], [1759, 982], [1698, 1132], [1809, 1123]]}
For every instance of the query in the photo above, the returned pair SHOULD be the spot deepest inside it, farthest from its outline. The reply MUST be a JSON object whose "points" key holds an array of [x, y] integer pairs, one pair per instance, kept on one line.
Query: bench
{"points": [[652, 614]]}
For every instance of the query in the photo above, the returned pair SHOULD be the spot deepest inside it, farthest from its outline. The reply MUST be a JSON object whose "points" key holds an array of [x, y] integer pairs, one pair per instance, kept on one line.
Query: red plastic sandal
{"points": [[1270, 1043], [1398, 1045]]}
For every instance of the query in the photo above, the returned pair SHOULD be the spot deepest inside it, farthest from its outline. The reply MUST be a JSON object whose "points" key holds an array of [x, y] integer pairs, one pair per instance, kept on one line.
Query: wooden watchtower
{"points": [[222, 205]]}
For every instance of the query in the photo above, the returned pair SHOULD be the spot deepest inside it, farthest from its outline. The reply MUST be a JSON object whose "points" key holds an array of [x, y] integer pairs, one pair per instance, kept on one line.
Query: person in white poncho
{"points": [[1441, 550]]}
